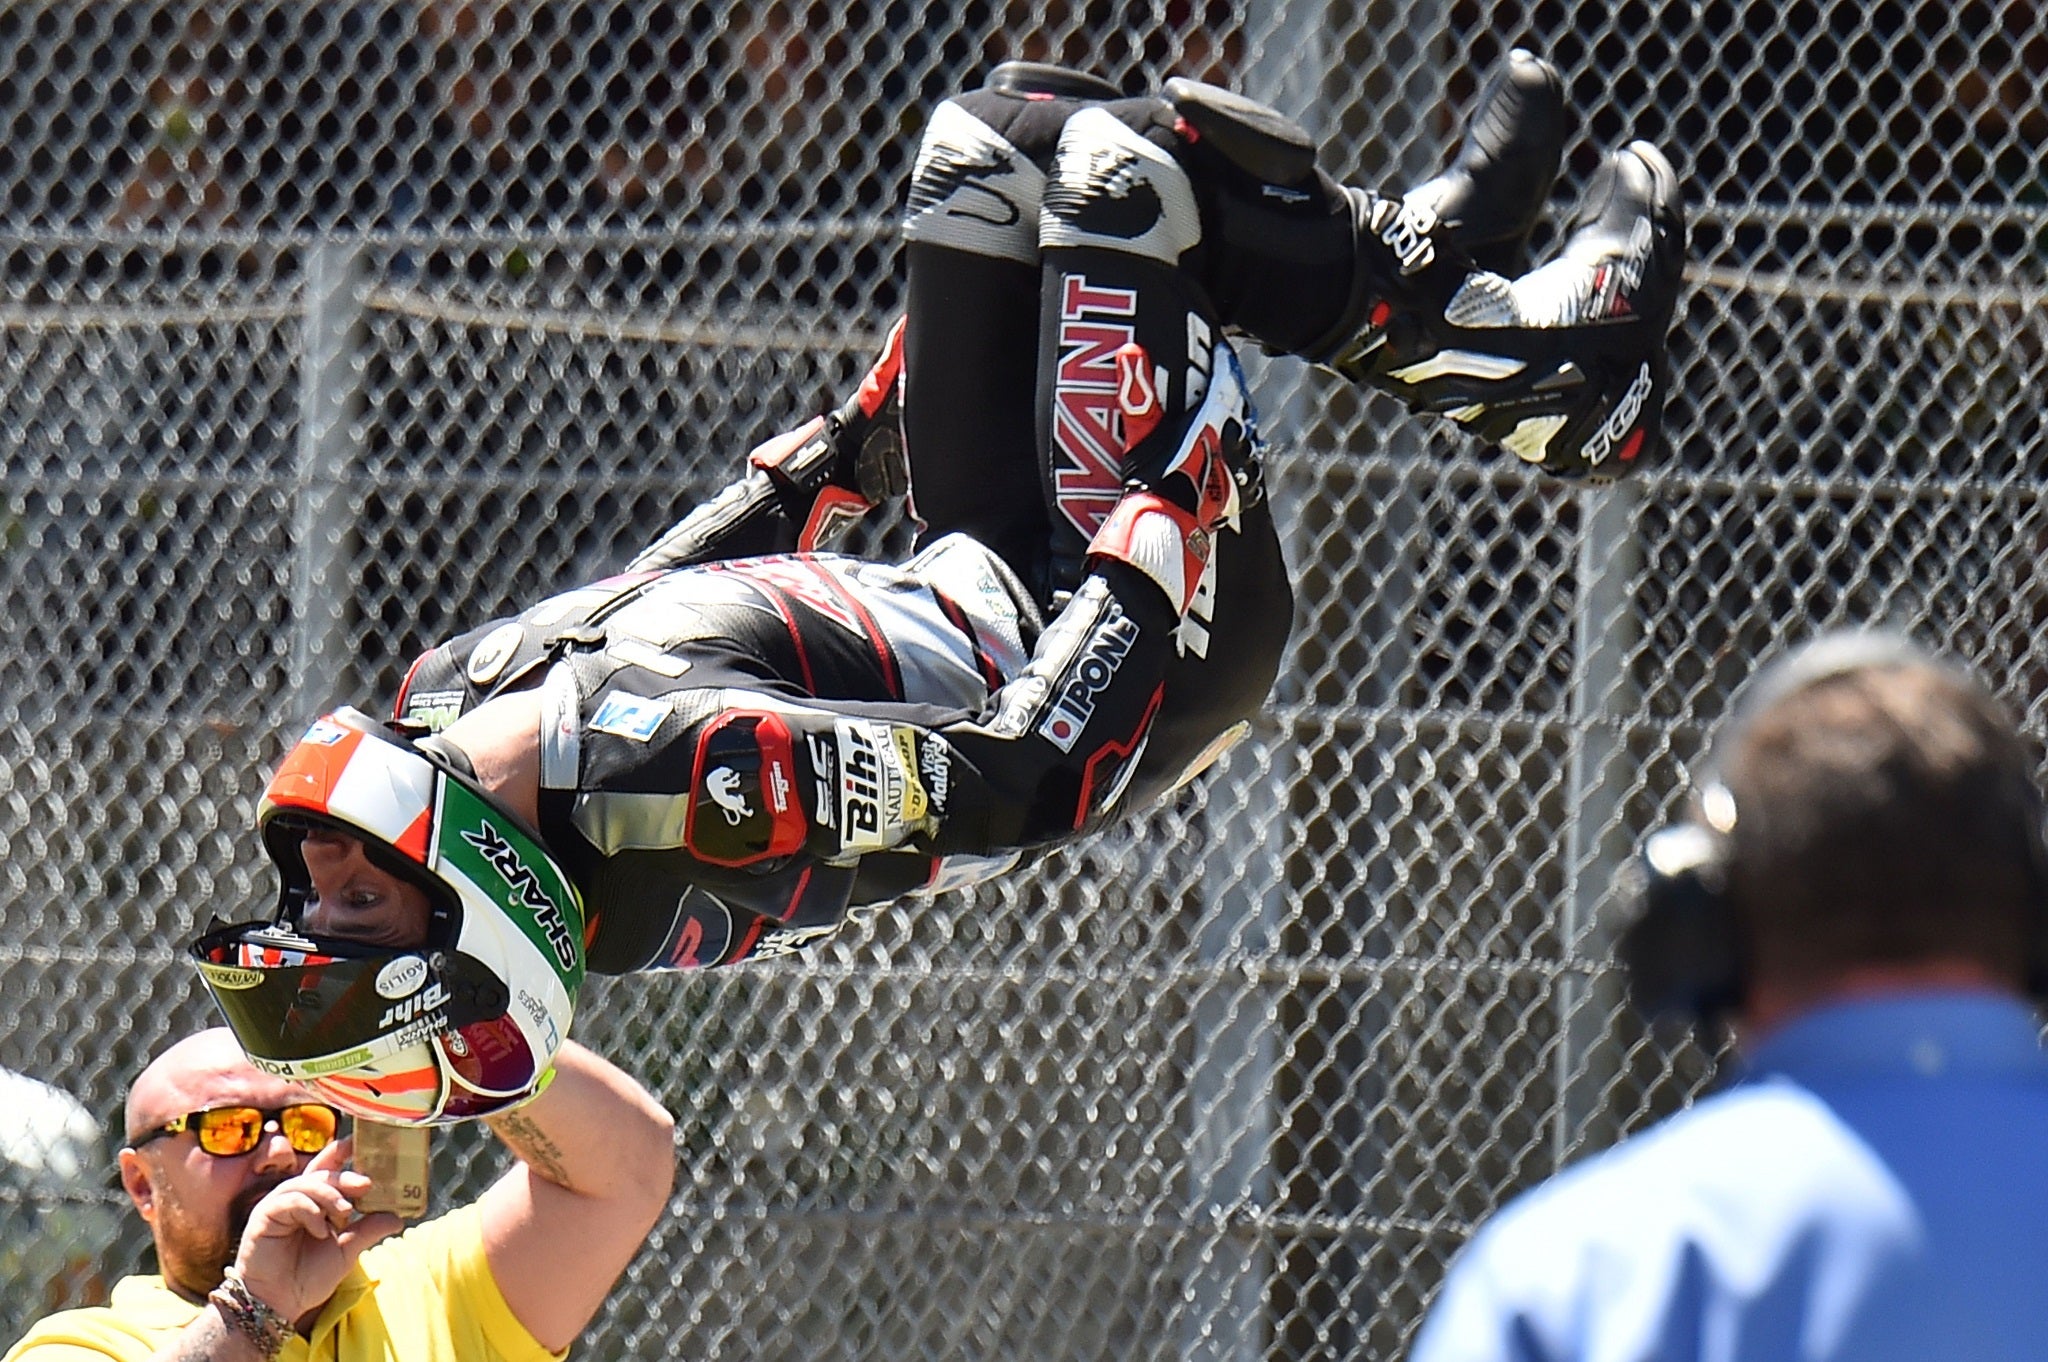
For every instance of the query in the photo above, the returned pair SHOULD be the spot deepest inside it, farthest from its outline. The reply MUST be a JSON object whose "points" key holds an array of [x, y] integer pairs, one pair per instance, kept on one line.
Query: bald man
{"points": [[245, 1186]]}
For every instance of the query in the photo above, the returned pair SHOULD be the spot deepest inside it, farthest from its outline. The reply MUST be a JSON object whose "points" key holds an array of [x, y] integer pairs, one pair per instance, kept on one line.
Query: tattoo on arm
{"points": [[533, 1147]]}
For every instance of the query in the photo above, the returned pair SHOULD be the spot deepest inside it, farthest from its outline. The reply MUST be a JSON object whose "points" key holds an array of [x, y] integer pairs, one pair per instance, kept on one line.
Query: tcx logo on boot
{"points": [[1620, 421], [1074, 702]]}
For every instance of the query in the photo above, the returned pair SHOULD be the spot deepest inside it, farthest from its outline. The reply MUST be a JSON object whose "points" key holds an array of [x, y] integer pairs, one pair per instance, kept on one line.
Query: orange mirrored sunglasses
{"points": [[229, 1132]]}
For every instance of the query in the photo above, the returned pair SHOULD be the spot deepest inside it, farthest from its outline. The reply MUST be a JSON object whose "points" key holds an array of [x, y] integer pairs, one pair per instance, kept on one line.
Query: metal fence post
{"points": [[1232, 1094], [330, 397], [1596, 785]]}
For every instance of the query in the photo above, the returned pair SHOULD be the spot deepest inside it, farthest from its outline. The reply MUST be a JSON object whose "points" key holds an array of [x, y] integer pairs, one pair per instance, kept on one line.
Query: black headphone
{"points": [[1680, 943]]}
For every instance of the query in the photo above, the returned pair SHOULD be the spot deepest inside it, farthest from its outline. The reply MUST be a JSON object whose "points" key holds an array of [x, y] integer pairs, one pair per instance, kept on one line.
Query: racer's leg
{"points": [[1565, 365], [971, 340], [1125, 321], [1131, 343], [1168, 220], [1233, 642], [1285, 255]]}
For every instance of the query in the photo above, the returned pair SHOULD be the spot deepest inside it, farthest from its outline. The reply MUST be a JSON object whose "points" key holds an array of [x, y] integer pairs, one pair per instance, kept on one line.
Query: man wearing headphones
{"points": [[1863, 896]]}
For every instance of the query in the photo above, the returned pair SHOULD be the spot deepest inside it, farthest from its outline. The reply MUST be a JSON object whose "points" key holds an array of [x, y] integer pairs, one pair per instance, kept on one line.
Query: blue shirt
{"points": [[1874, 1187]]}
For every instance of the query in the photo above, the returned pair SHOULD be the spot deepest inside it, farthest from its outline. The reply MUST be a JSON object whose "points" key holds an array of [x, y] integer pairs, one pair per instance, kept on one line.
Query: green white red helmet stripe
{"points": [[343, 773], [472, 844]]}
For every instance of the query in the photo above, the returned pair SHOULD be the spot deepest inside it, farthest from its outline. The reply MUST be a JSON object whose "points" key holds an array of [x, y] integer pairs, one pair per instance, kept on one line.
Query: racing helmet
{"points": [[460, 1025]]}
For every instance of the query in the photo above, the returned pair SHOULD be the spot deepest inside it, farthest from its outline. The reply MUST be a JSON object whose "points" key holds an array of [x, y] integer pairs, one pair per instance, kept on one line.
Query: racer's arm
{"points": [[1048, 755], [596, 1162], [802, 486]]}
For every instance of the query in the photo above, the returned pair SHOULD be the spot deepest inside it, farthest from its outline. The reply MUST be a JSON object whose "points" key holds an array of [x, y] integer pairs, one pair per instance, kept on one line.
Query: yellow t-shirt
{"points": [[426, 1295]]}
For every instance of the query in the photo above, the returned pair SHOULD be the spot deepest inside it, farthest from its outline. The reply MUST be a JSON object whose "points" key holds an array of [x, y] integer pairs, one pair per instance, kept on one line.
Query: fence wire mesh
{"points": [[330, 326]]}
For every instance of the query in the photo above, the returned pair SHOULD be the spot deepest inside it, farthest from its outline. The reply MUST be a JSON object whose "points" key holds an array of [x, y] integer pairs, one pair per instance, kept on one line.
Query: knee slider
{"points": [[1028, 78], [1254, 137]]}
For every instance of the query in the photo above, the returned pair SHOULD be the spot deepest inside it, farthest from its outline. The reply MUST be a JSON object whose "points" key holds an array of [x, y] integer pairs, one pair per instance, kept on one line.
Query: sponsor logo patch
{"points": [[860, 787], [722, 786], [741, 811], [824, 778], [633, 717], [935, 769], [1636, 259], [230, 978], [333, 1064], [417, 1032], [491, 655], [402, 977], [415, 1008], [1405, 229], [433, 710], [1088, 421], [880, 796], [324, 733], [916, 803], [778, 941], [1075, 695], [1621, 420]]}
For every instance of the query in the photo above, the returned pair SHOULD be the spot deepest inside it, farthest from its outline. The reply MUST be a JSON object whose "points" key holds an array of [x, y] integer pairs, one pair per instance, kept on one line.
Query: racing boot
{"points": [[1566, 366], [1488, 200], [1295, 260]]}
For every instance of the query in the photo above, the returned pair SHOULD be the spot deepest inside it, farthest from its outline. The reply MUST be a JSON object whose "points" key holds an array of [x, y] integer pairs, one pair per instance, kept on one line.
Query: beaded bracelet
{"points": [[248, 1316]]}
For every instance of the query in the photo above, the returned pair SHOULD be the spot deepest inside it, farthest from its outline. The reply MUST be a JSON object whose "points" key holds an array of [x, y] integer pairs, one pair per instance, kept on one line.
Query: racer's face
{"points": [[354, 900]]}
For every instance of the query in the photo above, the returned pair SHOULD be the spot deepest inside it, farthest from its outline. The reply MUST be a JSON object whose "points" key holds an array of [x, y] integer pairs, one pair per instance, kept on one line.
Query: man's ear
{"points": [[137, 1182]]}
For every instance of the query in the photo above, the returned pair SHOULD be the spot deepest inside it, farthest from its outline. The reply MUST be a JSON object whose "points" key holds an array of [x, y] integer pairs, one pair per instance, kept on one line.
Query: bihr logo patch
{"points": [[428, 1000]]}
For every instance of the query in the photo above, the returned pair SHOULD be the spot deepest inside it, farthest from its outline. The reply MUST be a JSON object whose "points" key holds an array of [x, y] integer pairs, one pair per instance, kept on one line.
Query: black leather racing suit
{"points": [[740, 743], [734, 752]]}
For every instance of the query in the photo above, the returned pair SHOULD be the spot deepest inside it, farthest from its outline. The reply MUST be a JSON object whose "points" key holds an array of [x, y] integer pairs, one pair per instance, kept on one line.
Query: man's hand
{"points": [[305, 1235]]}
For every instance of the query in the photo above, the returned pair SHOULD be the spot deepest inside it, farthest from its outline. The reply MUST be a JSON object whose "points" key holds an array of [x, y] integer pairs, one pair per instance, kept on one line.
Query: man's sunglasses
{"points": [[229, 1132]]}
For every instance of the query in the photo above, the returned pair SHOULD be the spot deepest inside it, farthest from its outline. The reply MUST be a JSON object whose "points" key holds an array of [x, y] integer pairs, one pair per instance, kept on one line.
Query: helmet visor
{"points": [[303, 1007]]}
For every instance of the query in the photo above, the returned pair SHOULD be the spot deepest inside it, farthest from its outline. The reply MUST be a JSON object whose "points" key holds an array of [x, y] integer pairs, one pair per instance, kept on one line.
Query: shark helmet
{"points": [[465, 1023]]}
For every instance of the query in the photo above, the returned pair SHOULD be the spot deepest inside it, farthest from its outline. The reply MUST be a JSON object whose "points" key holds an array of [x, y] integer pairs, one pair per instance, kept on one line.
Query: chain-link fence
{"points": [[422, 305]]}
